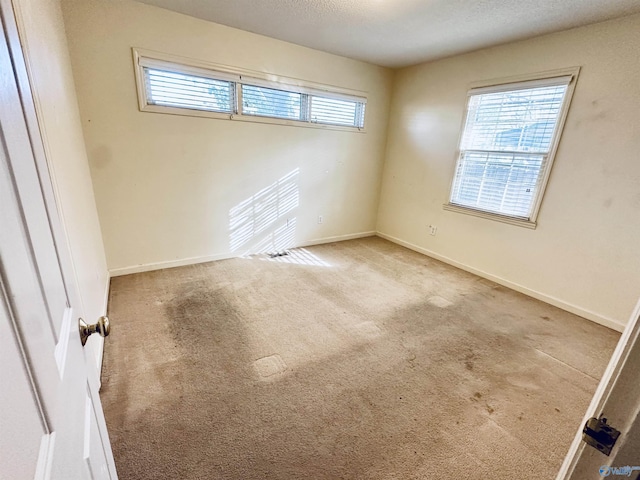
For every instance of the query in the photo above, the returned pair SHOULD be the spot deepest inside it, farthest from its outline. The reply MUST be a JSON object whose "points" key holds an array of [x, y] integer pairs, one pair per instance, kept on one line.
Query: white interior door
{"points": [[618, 400], [51, 420]]}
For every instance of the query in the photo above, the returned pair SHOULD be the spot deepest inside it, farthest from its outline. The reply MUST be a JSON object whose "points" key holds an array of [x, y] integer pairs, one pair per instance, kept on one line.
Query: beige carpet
{"points": [[353, 360]]}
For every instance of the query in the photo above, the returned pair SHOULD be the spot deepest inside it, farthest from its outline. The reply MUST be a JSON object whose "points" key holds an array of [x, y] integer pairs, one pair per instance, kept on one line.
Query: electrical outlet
{"points": [[320, 219], [432, 229]]}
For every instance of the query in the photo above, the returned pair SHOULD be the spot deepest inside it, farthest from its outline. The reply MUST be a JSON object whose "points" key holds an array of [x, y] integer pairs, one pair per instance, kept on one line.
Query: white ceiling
{"points": [[397, 33]]}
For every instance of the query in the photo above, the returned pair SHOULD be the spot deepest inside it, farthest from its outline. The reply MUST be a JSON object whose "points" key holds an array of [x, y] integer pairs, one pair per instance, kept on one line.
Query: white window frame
{"points": [[146, 58], [506, 84]]}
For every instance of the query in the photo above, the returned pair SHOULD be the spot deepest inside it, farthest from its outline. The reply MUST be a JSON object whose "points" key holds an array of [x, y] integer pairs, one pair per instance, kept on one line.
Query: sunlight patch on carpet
{"points": [[297, 256]]}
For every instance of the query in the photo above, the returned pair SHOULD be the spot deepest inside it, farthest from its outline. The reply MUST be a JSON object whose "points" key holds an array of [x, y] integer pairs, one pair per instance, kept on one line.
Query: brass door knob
{"points": [[103, 327]]}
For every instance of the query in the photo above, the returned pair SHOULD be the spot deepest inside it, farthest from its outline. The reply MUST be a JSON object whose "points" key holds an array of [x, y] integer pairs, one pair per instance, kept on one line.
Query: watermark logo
{"points": [[626, 471]]}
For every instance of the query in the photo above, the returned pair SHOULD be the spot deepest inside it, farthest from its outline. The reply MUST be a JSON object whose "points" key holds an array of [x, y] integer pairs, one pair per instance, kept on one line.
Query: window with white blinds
{"points": [[506, 147], [169, 87], [271, 102], [333, 111], [180, 90]]}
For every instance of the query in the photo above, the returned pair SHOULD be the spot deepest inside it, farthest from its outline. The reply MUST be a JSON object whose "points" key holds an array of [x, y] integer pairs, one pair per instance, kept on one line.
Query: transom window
{"points": [[169, 87], [507, 145], [272, 102], [179, 90]]}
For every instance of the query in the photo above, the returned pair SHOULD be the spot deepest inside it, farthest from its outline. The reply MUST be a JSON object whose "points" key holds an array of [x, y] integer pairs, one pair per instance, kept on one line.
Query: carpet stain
{"points": [[468, 361], [411, 361]]}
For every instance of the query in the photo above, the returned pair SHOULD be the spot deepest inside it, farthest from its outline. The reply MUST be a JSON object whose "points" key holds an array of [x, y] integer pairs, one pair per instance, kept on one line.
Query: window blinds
{"points": [[505, 144], [181, 90], [194, 88], [336, 112], [271, 102]]}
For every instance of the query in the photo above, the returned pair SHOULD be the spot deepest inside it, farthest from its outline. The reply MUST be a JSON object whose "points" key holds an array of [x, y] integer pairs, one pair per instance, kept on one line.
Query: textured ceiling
{"points": [[397, 33]]}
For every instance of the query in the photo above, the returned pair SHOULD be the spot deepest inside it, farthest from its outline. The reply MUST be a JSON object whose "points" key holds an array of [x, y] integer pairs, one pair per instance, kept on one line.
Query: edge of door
{"points": [[629, 341], [19, 49]]}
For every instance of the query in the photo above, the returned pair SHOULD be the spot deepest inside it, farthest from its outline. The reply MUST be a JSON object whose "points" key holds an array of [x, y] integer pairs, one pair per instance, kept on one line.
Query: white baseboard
{"points": [[337, 238], [556, 302], [147, 267]]}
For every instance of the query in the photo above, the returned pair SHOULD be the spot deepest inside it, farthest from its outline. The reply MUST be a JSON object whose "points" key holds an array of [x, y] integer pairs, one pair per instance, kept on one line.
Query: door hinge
{"points": [[600, 435]]}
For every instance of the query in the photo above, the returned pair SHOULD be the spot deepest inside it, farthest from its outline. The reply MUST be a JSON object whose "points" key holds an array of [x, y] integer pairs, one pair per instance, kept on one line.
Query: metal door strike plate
{"points": [[600, 435]]}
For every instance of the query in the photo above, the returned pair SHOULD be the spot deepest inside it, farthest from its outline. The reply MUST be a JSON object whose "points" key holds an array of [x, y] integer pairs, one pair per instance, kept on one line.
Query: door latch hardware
{"points": [[102, 327], [600, 435]]}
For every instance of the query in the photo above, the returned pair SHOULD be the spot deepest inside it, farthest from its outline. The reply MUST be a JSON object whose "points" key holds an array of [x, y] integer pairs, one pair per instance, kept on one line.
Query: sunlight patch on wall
{"points": [[259, 223]]}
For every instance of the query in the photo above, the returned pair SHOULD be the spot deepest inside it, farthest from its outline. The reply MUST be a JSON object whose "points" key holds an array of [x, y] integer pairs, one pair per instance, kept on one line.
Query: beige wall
{"points": [[44, 43], [584, 256], [169, 188]]}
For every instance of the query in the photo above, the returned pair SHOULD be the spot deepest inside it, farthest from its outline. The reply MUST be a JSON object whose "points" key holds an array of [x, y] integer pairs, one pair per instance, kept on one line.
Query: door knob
{"points": [[103, 327]]}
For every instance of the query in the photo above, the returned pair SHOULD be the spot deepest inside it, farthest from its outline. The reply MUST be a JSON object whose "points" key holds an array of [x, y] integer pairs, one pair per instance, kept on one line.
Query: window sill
{"points": [[520, 222]]}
